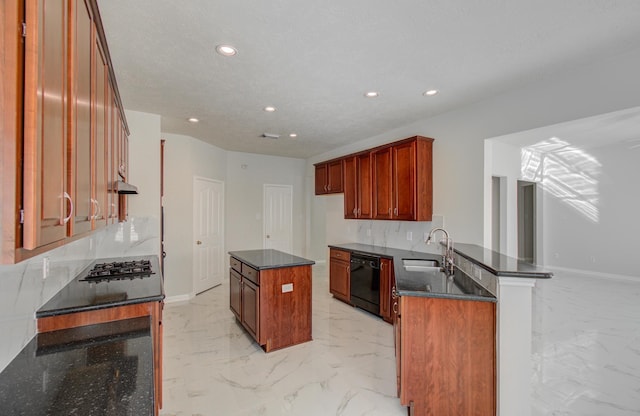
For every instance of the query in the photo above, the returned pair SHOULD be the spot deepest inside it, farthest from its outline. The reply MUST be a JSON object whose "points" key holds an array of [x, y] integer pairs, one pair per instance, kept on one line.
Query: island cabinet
{"points": [[328, 177], [357, 186], [339, 274], [270, 296], [446, 356], [402, 180]]}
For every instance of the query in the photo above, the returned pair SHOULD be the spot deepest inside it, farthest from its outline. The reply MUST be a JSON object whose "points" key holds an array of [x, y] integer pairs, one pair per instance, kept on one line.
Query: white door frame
{"points": [[221, 260], [265, 187]]}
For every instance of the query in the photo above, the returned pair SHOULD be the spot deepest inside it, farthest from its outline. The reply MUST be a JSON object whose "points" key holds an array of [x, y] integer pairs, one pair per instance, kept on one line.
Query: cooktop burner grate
{"points": [[119, 270]]}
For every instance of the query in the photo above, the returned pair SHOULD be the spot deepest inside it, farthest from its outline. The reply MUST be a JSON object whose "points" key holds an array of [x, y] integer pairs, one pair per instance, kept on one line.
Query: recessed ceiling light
{"points": [[293, 135], [429, 93], [372, 94], [193, 120], [226, 50], [269, 109]]}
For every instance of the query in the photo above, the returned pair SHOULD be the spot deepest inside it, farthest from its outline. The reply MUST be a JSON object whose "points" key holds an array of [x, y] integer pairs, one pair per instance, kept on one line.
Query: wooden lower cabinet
{"points": [[151, 309], [446, 356], [273, 305], [340, 274], [386, 282]]}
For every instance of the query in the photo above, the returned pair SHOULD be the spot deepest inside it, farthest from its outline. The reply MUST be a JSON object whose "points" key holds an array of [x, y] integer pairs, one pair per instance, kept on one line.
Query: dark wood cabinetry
{"points": [[328, 177], [273, 305], [389, 182], [357, 186], [446, 356], [402, 180], [386, 283], [339, 274], [61, 111]]}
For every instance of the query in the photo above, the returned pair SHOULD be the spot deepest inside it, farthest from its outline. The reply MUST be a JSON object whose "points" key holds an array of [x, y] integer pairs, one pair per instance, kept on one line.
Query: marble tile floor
{"points": [[213, 367], [585, 356]]}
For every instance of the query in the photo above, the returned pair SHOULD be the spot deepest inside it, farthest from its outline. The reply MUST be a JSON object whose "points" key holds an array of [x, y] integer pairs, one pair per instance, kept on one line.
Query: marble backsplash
{"points": [[23, 289], [394, 234]]}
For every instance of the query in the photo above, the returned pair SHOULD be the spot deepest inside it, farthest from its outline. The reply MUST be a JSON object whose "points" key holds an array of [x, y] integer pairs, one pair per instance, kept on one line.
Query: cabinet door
{"points": [[404, 181], [80, 140], [251, 308], [235, 293], [364, 184], [321, 179], [339, 274], [334, 177], [382, 184], [397, 333], [350, 188], [46, 201], [385, 289], [100, 154]]}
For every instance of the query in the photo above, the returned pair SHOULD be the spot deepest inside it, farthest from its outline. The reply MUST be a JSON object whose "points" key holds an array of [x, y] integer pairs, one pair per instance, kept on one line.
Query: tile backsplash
{"points": [[23, 287], [396, 234]]}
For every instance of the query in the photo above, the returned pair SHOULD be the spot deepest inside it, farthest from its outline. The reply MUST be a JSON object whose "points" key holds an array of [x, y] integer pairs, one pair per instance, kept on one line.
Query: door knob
{"points": [[198, 242]]}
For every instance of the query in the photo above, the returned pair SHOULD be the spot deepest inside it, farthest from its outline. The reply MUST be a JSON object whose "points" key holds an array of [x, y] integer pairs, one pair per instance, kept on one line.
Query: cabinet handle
{"points": [[328, 187], [325, 188], [95, 207], [395, 307], [395, 211], [394, 294], [359, 211], [389, 211], [66, 219], [355, 211]]}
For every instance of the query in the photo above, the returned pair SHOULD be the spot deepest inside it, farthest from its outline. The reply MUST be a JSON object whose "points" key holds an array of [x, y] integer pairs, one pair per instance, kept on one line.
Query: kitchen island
{"points": [[270, 296]]}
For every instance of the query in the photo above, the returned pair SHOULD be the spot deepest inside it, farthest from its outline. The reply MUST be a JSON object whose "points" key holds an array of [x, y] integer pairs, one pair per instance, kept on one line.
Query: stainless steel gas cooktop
{"points": [[119, 270]]}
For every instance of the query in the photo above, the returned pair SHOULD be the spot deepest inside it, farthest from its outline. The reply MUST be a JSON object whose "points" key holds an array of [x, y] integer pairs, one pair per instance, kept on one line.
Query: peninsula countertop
{"points": [[270, 259], [104, 369]]}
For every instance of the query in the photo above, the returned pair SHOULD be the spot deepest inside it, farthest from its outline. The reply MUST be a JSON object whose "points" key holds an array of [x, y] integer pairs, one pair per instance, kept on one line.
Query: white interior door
{"points": [[278, 220], [208, 233]]}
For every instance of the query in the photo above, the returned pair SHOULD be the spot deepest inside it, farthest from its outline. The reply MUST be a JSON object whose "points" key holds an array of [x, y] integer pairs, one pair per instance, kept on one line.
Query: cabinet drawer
{"points": [[339, 254], [235, 264], [251, 274]]}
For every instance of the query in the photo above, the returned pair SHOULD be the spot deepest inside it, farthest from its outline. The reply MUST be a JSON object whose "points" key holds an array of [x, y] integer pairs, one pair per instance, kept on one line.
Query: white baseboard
{"points": [[179, 298]]}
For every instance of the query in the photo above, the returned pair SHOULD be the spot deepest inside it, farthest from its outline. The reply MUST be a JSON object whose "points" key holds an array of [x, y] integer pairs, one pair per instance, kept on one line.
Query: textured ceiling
{"points": [[314, 60]]}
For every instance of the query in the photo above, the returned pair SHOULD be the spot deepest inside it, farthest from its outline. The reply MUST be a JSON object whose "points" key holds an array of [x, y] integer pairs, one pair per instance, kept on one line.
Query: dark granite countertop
{"points": [[104, 369], [269, 259], [79, 296], [431, 283], [500, 264]]}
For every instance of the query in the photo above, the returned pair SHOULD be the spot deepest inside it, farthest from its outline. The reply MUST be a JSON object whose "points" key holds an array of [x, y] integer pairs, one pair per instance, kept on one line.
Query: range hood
{"points": [[126, 188]]}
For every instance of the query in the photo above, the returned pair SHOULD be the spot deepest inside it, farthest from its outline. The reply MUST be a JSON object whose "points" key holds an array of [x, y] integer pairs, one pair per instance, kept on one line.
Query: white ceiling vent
{"points": [[270, 136]]}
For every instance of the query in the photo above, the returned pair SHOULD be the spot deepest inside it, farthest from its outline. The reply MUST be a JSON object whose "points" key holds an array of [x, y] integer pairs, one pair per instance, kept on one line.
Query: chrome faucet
{"points": [[447, 256]]}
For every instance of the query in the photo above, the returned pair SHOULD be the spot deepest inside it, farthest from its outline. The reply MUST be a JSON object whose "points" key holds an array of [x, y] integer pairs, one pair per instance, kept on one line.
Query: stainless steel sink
{"points": [[420, 265]]}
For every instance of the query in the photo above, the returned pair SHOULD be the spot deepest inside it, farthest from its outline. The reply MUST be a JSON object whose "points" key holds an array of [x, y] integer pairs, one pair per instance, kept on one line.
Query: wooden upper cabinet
{"points": [[357, 186], [328, 177], [80, 116], [382, 168], [101, 153], [46, 201], [402, 180], [60, 111]]}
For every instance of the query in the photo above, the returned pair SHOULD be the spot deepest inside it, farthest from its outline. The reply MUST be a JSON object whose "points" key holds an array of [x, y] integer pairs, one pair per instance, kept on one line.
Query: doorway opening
{"points": [[527, 221]]}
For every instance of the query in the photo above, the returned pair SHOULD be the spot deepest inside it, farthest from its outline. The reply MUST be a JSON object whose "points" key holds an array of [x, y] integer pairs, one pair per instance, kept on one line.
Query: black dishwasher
{"points": [[365, 282]]}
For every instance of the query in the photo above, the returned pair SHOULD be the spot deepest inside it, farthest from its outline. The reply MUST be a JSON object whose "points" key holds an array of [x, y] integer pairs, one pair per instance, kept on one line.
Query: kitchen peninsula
{"points": [[270, 295]]}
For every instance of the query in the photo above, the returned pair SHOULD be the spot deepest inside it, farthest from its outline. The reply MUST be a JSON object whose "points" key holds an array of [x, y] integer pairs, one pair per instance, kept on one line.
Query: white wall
{"points": [[185, 157], [459, 136], [247, 174]]}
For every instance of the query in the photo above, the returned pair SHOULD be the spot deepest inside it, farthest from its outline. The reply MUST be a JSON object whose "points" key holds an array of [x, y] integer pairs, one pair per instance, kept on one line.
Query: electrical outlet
{"points": [[477, 272], [287, 287], [409, 236]]}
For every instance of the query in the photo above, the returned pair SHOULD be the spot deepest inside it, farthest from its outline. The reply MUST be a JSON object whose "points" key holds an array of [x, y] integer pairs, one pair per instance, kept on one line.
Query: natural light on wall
{"points": [[566, 172]]}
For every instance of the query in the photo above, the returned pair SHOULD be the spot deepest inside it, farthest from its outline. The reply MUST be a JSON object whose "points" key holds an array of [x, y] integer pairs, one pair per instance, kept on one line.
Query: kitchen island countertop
{"points": [[269, 259]]}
